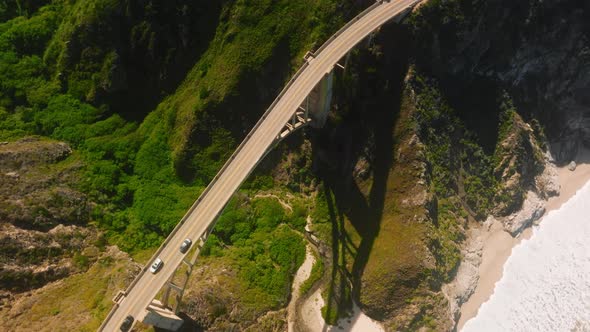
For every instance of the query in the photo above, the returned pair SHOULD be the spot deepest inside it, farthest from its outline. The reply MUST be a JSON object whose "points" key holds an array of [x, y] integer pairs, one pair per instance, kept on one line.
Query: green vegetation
{"points": [[435, 27], [317, 271], [507, 115], [462, 176], [518, 157], [446, 238], [78, 303], [459, 164], [254, 238], [59, 78]]}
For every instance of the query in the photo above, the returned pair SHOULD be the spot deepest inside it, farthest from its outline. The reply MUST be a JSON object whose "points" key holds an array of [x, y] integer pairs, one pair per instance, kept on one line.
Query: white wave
{"points": [[546, 280]]}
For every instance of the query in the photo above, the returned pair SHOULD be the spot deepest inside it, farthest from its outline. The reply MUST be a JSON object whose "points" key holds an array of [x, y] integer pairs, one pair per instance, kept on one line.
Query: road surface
{"points": [[211, 202]]}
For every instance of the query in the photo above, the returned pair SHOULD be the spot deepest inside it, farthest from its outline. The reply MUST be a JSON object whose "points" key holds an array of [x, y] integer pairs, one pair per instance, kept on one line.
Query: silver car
{"points": [[156, 266], [186, 244]]}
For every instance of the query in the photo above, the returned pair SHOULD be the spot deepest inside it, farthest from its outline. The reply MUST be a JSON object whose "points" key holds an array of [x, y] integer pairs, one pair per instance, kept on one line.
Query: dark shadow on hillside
{"points": [[189, 325], [369, 101], [238, 112], [153, 66], [477, 101]]}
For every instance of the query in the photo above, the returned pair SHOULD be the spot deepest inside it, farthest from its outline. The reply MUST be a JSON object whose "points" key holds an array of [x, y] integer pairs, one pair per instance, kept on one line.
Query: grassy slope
{"points": [[396, 257], [398, 261], [76, 303], [411, 250]]}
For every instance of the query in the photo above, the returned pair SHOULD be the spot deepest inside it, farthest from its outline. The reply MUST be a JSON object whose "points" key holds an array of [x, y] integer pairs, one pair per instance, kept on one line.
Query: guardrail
{"points": [[239, 148], [348, 24], [109, 315]]}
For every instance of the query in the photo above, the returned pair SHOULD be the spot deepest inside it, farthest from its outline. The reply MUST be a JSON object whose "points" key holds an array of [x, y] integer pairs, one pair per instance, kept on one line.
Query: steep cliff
{"points": [[538, 51]]}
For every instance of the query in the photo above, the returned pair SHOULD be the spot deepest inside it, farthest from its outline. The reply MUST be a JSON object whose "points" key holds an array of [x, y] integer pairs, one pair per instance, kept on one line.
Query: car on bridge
{"points": [[156, 266], [126, 325], [186, 244]]}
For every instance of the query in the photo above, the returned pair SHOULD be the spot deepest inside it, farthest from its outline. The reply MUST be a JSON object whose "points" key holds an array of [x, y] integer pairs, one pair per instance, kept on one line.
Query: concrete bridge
{"points": [[309, 87]]}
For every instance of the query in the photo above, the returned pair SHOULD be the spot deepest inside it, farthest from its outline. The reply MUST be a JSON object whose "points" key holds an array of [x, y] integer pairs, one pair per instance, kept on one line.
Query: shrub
{"points": [[317, 271], [81, 261]]}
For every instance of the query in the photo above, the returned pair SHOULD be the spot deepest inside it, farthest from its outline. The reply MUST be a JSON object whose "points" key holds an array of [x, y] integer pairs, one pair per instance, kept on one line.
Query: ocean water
{"points": [[546, 280]]}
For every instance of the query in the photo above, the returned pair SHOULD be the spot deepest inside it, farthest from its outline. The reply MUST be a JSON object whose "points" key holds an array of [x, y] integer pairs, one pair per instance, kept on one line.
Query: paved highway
{"points": [[204, 212]]}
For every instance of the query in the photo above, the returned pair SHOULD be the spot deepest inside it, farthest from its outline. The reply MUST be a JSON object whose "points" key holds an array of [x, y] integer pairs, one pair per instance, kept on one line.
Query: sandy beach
{"points": [[357, 322], [498, 243], [302, 274]]}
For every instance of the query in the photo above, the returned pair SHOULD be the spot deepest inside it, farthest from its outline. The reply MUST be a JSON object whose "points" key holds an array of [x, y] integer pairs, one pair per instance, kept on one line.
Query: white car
{"points": [[156, 266]]}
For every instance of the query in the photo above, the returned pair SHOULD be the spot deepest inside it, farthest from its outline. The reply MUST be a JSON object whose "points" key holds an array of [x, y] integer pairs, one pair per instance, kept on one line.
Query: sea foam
{"points": [[546, 280]]}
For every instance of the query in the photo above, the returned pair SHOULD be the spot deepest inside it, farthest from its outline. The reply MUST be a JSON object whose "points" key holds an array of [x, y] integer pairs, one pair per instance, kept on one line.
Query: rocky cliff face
{"points": [[38, 196], [37, 188], [539, 51], [537, 54]]}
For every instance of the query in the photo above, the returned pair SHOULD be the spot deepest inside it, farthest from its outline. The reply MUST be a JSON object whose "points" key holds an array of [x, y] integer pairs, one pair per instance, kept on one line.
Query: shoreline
{"points": [[498, 244]]}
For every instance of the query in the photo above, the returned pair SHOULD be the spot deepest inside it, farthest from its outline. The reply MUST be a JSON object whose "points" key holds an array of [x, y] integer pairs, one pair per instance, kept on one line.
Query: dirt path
{"points": [[301, 275], [283, 203]]}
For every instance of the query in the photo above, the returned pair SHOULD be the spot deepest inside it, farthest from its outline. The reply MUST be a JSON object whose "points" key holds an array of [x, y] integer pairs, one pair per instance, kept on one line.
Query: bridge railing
{"points": [[347, 25]]}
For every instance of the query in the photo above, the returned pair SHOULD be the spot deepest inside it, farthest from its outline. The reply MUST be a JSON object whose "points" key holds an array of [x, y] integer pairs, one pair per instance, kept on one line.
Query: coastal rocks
{"points": [[567, 146], [548, 72], [547, 183], [463, 286], [520, 161], [572, 166], [532, 209]]}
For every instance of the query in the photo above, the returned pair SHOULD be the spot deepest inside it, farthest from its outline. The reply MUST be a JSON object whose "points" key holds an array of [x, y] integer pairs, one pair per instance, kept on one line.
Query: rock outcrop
{"points": [[532, 209], [38, 196], [521, 160], [546, 182], [29, 152], [463, 285], [36, 190]]}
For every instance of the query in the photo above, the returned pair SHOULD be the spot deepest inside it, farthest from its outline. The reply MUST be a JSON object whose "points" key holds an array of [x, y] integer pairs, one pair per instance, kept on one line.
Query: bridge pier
{"points": [[320, 100], [314, 110], [179, 287], [160, 316]]}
